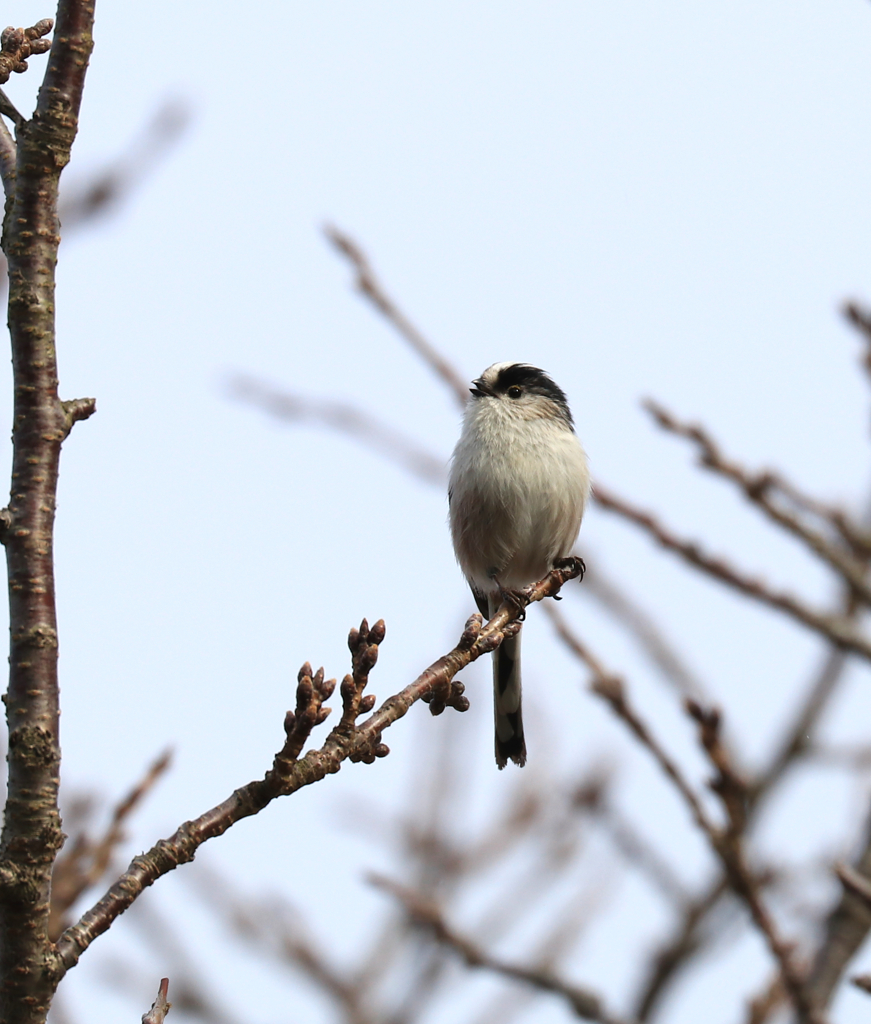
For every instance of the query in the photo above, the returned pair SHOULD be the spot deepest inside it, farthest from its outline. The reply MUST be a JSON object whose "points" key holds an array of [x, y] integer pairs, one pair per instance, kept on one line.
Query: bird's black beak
{"points": [[481, 388]]}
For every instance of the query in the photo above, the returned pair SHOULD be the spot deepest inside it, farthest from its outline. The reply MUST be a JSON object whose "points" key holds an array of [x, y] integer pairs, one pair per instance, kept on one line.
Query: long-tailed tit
{"points": [[518, 486]]}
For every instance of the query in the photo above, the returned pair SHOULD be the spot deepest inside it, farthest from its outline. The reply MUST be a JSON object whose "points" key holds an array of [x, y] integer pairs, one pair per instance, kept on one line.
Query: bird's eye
{"points": [[514, 391]]}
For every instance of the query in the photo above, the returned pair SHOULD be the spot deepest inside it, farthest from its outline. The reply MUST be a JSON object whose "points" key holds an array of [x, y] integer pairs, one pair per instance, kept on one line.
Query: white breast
{"points": [[518, 491]]}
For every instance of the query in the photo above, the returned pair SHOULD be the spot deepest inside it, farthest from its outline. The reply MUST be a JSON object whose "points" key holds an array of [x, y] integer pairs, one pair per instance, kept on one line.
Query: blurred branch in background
{"points": [[104, 192], [85, 859]]}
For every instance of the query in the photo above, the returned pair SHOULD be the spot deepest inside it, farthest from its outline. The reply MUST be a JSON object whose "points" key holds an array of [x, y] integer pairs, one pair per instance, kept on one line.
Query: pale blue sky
{"points": [[666, 200]]}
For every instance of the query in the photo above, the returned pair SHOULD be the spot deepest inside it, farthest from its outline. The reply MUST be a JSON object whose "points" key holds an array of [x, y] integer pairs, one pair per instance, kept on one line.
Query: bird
{"points": [[519, 483]]}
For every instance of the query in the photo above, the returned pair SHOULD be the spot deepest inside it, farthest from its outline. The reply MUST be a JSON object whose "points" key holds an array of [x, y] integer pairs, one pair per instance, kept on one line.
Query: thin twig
{"points": [[370, 286], [8, 158], [586, 1004], [759, 489], [676, 952], [85, 199], [725, 843], [862, 981], [855, 883], [637, 851], [160, 1007], [837, 629], [345, 418], [84, 862], [641, 625]]}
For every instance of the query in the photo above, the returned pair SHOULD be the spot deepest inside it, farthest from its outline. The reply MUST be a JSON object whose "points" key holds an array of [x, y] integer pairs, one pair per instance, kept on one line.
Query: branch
{"points": [[675, 953], [31, 833], [688, 939], [637, 621], [727, 844], [160, 1007], [861, 319], [635, 849], [846, 926], [759, 489], [84, 862], [835, 628], [105, 188], [347, 419], [8, 158], [273, 926], [289, 773], [855, 883], [584, 1003], [863, 981], [370, 286]]}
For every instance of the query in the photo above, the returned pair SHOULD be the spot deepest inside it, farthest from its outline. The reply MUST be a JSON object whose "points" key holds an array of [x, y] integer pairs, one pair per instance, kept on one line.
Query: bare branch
{"points": [[837, 629], [675, 953], [276, 928], [160, 1007], [627, 839], [725, 843], [640, 624], [585, 1003], [861, 319], [370, 286], [863, 981], [347, 741], [102, 191], [83, 863], [347, 419], [760, 1009], [854, 882], [760, 489], [797, 739]]}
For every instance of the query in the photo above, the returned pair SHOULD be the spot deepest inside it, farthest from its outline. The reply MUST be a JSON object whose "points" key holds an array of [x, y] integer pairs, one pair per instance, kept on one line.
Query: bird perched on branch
{"points": [[518, 486]]}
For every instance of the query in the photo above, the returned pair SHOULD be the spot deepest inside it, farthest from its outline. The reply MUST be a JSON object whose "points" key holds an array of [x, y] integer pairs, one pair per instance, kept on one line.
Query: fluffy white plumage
{"points": [[518, 487]]}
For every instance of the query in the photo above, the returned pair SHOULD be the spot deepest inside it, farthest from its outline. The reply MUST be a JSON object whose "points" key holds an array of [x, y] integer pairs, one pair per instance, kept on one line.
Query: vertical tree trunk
{"points": [[32, 833]]}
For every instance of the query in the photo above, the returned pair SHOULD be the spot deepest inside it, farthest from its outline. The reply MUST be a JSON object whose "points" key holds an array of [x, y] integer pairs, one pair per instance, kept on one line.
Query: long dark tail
{"points": [[507, 698]]}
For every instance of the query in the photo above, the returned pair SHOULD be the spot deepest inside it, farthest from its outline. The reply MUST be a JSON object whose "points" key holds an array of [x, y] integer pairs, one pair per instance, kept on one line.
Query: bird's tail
{"points": [[507, 697]]}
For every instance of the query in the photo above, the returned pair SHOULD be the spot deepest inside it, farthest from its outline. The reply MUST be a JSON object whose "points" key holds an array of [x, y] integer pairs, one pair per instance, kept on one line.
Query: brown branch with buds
{"points": [[290, 772], [17, 45], [584, 1003]]}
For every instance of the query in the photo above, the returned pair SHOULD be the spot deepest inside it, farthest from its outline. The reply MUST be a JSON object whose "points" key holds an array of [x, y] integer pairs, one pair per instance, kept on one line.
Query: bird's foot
{"points": [[519, 598], [574, 563]]}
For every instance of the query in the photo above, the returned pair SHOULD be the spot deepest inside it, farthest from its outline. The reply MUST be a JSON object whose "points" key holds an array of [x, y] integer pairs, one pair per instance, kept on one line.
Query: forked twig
{"points": [[837, 629], [761, 488]]}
